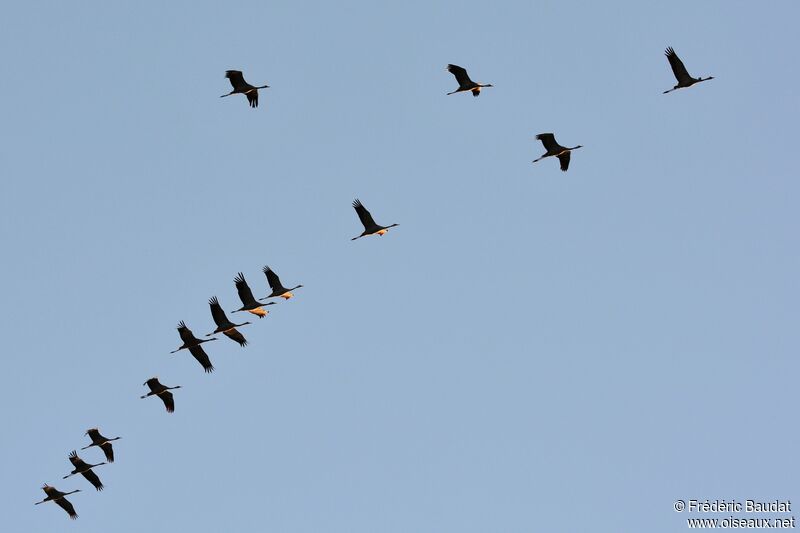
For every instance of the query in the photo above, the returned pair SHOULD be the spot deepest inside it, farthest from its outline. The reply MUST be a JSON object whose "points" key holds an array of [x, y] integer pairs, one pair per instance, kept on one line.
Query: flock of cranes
{"points": [[256, 306]]}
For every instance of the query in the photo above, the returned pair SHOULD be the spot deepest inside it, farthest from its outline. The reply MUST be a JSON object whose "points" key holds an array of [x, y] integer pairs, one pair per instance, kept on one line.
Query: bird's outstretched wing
{"points": [[363, 214], [153, 383], [235, 335], [92, 478], [272, 278], [563, 158], [681, 74], [76, 461], [245, 294], [108, 450], [548, 140], [169, 401], [237, 79], [67, 506], [252, 97], [460, 73], [186, 334], [202, 358], [220, 319]]}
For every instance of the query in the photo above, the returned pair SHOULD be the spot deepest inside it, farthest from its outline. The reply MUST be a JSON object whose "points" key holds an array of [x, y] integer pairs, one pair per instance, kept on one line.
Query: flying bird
{"points": [[192, 343], [249, 303], [55, 495], [85, 469], [162, 391], [101, 441], [555, 149], [242, 87], [464, 83], [681, 74], [225, 326], [370, 227], [275, 284]]}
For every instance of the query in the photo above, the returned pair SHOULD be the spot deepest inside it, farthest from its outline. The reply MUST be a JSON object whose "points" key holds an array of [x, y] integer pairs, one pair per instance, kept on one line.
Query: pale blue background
{"points": [[530, 350]]}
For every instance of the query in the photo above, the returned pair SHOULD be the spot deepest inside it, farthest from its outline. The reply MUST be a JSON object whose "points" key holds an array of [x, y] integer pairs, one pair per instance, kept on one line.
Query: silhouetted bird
{"points": [[242, 87], [681, 74], [464, 83], [162, 391], [101, 441], [249, 303], [275, 284], [192, 343], [555, 149], [225, 326], [370, 227], [84, 469], [55, 495]]}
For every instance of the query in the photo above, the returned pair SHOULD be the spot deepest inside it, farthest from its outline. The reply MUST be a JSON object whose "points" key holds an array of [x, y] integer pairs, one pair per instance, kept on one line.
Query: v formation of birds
{"points": [[256, 307]]}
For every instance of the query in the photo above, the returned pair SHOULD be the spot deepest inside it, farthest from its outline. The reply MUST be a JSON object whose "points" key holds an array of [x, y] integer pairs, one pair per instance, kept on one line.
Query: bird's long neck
{"points": [[263, 87], [66, 493]]}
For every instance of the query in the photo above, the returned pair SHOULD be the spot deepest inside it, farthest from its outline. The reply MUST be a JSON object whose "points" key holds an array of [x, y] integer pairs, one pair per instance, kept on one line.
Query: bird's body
{"points": [[242, 87], [192, 343], [225, 326], [370, 227], [555, 150], [102, 442], [249, 303], [55, 495], [278, 290], [464, 82], [85, 469], [162, 391], [680, 72]]}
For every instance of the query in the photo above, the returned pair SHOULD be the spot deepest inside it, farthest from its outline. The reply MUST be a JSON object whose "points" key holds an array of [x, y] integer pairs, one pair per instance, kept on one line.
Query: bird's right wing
{"points": [[108, 450], [92, 478], [236, 77], [216, 312], [252, 97], [272, 278], [245, 294], [67, 506], [202, 358], [363, 214], [548, 140], [76, 461], [460, 73], [681, 74], [168, 400], [153, 383], [186, 334], [235, 335], [563, 158]]}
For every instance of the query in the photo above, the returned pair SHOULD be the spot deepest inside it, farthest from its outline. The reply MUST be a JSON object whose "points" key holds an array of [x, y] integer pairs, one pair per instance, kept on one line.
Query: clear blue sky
{"points": [[530, 350]]}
